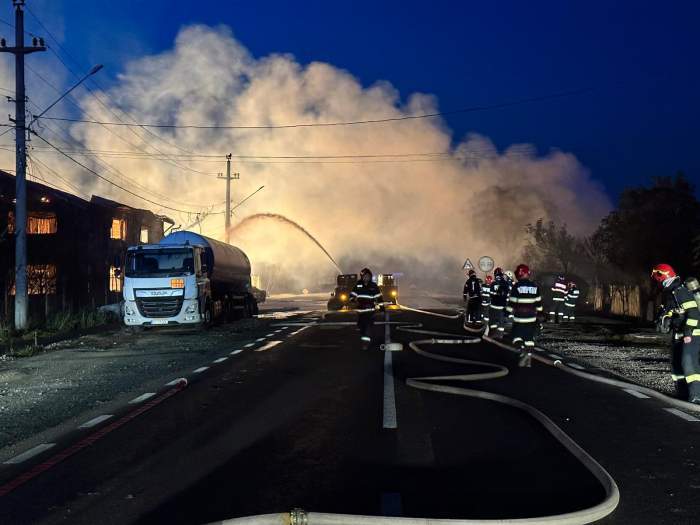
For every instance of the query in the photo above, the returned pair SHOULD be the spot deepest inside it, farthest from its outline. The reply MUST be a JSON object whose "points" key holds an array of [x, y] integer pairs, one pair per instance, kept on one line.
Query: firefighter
{"points": [[559, 291], [525, 303], [570, 302], [368, 297], [472, 296], [499, 300], [486, 298], [680, 316]]}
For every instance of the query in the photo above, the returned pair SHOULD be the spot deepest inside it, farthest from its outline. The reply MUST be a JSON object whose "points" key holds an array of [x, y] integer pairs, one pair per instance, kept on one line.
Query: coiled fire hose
{"points": [[494, 371]]}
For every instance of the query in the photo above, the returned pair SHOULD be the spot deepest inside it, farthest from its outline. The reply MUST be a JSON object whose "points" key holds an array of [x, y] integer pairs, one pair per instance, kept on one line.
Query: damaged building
{"points": [[72, 244]]}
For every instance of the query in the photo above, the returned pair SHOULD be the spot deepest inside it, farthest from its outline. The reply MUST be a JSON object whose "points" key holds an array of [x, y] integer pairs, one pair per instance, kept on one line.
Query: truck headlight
{"points": [[394, 293], [192, 308]]}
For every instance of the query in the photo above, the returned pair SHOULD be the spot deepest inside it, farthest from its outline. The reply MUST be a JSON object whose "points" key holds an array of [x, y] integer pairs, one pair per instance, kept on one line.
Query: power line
{"points": [[87, 168], [329, 124]]}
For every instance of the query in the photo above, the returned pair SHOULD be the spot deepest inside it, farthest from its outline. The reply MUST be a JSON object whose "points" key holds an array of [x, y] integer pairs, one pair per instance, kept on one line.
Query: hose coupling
{"points": [[298, 517]]}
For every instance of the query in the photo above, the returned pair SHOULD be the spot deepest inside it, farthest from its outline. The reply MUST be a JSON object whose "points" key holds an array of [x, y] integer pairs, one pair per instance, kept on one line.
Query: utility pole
{"points": [[229, 176], [21, 298]]}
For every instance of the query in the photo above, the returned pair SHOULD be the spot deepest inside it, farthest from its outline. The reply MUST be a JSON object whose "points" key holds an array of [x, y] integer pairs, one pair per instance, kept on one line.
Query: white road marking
{"points": [[200, 370], [260, 340], [142, 397], [249, 345], [270, 335], [681, 414], [635, 393], [268, 346], [24, 456], [220, 360], [95, 421], [577, 367], [236, 352], [175, 381], [278, 331], [300, 330], [389, 393]]}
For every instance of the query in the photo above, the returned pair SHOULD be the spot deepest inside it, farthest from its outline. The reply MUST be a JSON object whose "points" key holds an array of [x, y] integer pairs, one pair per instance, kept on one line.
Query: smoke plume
{"points": [[418, 215]]}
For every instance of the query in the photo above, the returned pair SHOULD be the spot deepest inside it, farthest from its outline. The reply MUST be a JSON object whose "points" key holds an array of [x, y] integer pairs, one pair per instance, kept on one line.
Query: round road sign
{"points": [[486, 264]]}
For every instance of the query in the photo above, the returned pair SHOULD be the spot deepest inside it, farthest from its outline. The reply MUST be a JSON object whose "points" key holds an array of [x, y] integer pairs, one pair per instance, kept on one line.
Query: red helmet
{"points": [[489, 279], [522, 271], [498, 271], [663, 271]]}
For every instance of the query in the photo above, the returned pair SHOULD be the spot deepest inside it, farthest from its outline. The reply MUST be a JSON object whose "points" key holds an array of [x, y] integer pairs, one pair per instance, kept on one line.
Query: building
{"points": [[72, 247]]}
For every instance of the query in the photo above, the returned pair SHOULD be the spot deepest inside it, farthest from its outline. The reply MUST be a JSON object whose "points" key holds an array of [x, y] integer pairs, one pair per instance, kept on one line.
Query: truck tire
{"points": [[207, 316]]}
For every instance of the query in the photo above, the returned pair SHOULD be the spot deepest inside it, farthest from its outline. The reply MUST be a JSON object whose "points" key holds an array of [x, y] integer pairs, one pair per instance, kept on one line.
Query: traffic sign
{"points": [[486, 264], [467, 265]]}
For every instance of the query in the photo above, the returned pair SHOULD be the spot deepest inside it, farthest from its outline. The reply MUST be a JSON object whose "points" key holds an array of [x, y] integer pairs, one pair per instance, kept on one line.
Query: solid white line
{"points": [[236, 352], [220, 360], [142, 397], [634, 393], [200, 370], [681, 414], [24, 456], [268, 346], [249, 345], [95, 421], [389, 393]]}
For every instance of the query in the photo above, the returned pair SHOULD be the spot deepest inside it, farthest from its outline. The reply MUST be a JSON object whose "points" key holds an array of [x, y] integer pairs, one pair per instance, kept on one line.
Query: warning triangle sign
{"points": [[468, 265]]}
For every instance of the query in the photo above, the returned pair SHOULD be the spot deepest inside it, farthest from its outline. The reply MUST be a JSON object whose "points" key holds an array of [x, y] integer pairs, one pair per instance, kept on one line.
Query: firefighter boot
{"points": [[694, 392]]}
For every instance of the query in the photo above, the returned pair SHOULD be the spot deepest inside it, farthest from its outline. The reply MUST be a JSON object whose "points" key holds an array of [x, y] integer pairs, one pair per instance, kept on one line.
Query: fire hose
{"points": [[493, 371]]}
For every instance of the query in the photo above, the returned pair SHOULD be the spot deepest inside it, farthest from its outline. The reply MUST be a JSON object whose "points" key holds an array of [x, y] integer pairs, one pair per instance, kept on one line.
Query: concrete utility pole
{"points": [[228, 177], [21, 298]]}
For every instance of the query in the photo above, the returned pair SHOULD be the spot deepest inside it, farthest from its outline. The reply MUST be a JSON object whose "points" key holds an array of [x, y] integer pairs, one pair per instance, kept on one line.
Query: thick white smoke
{"points": [[418, 214]]}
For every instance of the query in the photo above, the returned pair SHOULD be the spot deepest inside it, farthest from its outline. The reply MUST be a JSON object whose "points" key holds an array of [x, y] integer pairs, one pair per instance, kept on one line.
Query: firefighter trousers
{"points": [[556, 311], [365, 322], [497, 320], [473, 309], [569, 312], [685, 367], [524, 334]]}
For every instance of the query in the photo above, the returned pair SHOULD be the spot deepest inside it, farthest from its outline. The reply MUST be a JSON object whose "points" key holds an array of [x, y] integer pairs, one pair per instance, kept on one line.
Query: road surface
{"points": [[299, 414]]}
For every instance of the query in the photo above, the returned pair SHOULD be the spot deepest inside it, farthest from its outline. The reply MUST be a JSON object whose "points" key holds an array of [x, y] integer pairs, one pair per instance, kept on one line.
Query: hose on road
{"points": [[494, 371]]}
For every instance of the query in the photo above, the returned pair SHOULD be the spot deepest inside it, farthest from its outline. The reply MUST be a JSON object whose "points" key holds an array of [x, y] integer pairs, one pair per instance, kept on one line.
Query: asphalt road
{"points": [[298, 419]]}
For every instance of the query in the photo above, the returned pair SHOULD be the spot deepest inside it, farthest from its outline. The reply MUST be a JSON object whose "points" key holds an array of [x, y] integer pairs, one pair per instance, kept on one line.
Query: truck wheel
{"points": [[207, 316]]}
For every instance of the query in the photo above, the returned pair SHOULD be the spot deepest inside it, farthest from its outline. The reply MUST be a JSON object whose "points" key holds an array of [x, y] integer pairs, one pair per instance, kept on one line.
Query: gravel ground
{"points": [[636, 353], [74, 377]]}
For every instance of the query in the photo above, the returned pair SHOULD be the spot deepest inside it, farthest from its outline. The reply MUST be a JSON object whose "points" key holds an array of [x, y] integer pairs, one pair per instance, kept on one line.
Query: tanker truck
{"points": [[187, 279]]}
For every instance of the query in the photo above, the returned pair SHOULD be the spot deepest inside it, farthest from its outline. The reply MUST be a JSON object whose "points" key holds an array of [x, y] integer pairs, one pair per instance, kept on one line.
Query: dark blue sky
{"points": [[641, 119]]}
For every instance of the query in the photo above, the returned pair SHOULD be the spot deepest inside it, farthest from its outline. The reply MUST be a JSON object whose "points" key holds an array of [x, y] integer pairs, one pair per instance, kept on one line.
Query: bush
{"points": [[86, 318]]}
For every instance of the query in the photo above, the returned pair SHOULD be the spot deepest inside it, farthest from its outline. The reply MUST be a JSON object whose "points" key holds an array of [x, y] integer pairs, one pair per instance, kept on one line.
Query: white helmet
{"points": [[510, 275]]}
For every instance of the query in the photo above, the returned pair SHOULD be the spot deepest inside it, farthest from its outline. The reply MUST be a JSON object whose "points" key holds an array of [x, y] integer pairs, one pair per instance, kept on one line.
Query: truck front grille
{"points": [[159, 306]]}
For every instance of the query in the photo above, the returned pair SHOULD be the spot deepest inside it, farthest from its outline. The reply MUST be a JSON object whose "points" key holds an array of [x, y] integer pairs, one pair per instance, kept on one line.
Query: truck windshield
{"points": [[163, 262]]}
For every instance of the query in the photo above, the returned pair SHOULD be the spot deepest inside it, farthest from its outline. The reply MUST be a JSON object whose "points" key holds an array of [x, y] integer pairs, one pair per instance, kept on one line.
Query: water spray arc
{"points": [[289, 222]]}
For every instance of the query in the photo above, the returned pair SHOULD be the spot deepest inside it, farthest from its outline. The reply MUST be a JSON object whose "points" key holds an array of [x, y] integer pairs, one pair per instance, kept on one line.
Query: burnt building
{"points": [[72, 244]]}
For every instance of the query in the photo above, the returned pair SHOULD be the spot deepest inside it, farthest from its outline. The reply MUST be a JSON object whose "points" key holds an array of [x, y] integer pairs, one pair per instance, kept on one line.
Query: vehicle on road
{"points": [[389, 286], [340, 297], [187, 279]]}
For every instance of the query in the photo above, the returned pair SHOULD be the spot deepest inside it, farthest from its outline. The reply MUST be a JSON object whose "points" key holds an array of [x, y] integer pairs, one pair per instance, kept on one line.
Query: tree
{"points": [[552, 247], [651, 225]]}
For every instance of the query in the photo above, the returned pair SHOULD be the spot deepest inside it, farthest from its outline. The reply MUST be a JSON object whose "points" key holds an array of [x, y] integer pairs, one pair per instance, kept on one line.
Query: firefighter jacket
{"points": [[499, 293], [572, 297], [485, 294], [472, 288], [525, 301], [366, 295], [559, 291], [679, 304]]}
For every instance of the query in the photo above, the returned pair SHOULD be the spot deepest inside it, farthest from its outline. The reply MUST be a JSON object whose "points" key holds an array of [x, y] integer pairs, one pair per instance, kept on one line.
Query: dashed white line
{"points": [[389, 393], [260, 340], [175, 382], [220, 360], [95, 421], [268, 346], [200, 369], [681, 414], [142, 398], [24, 456], [278, 331], [249, 345], [635, 393], [236, 352], [270, 335]]}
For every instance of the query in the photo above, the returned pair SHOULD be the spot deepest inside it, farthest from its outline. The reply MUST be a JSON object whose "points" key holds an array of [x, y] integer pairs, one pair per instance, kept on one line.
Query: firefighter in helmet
{"points": [[559, 291], [368, 298], [680, 316], [486, 298], [472, 296], [525, 303], [570, 302], [499, 300]]}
